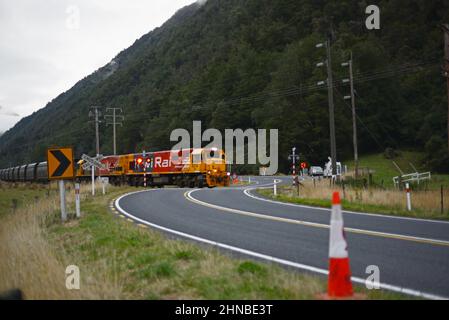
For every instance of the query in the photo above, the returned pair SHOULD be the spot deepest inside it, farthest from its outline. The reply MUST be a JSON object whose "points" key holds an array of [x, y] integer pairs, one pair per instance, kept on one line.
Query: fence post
{"points": [[409, 200]]}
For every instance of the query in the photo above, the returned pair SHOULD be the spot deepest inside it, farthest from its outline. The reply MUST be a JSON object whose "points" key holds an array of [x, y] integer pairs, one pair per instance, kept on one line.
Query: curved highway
{"points": [[412, 254]]}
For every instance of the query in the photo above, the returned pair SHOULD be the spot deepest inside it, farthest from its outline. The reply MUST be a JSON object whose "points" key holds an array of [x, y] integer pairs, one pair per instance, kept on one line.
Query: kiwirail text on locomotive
{"points": [[241, 147]]}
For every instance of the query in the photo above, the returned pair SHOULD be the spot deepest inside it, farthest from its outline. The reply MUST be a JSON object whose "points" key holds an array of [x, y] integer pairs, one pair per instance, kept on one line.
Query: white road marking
{"points": [[385, 286], [189, 196], [247, 192]]}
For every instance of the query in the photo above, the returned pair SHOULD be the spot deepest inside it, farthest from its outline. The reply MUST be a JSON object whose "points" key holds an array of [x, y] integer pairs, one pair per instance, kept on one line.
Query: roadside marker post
{"points": [[62, 199], [77, 200], [93, 181], [409, 198], [103, 182], [275, 191]]}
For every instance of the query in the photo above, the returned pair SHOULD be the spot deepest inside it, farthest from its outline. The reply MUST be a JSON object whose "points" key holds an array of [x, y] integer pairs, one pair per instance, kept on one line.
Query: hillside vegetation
{"points": [[251, 64]]}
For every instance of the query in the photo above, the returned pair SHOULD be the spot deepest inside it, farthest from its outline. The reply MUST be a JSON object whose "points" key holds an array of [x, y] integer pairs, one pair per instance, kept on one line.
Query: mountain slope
{"points": [[251, 64]]}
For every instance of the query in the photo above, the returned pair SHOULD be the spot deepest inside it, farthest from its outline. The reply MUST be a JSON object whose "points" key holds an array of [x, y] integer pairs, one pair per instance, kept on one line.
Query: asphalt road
{"points": [[412, 255]]}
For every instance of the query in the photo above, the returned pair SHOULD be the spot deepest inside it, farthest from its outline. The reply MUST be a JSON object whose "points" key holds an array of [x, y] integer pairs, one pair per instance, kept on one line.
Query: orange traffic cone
{"points": [[339, 283]]}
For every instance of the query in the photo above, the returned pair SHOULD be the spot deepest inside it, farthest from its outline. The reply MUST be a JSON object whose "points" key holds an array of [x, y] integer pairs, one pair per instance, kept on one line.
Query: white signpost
{"points": [[63, 205], [77, 200]]}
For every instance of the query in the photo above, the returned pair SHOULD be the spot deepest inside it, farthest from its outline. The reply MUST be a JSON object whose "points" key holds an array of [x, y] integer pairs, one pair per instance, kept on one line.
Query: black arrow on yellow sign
{"points": [[64, 163]]}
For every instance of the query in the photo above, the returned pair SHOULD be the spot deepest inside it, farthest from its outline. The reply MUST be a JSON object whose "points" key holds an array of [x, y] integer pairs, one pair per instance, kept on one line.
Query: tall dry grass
{"points": [[29, 262], [428, 202]]}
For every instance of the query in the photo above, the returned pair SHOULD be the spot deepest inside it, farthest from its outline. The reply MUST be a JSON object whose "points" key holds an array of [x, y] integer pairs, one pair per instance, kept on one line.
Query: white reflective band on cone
{"points": [[338, 247]]}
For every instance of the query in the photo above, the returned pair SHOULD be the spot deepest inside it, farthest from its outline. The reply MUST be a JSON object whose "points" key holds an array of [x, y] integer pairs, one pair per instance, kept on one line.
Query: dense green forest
{"points": [[252, 64]]}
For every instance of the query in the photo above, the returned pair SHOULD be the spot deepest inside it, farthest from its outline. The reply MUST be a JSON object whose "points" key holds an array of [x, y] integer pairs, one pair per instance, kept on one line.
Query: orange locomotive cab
{"points": [[214, 161], [183, 168]]}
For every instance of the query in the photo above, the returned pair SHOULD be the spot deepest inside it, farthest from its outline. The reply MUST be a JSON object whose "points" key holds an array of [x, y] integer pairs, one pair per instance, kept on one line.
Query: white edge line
{"points": [[385, 286], [247, 192]]}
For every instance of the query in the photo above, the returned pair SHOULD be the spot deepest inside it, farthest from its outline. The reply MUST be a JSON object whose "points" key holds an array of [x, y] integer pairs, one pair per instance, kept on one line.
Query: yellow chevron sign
{"points": [[60, 163]]}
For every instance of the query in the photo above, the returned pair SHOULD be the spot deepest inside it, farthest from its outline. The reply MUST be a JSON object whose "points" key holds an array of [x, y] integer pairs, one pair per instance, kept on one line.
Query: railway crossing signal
{"points": [[294, 157], [60, 163], [92, 162]]}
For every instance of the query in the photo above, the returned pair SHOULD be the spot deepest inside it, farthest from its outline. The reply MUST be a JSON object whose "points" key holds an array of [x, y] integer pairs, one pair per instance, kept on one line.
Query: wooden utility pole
{"points": [[446, 69], [354, 119], [96, 114], [114, 120], [330, 88], [354, 114]]}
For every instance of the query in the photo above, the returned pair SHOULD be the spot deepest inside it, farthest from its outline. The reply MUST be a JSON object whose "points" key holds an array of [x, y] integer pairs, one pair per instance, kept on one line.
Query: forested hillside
{"points": [[252, 64]]}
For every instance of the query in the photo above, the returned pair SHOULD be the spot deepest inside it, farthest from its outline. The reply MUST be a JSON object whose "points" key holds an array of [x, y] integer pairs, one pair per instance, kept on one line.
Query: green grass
{"points": [[17, 194], [385, 170], [146, 264]]}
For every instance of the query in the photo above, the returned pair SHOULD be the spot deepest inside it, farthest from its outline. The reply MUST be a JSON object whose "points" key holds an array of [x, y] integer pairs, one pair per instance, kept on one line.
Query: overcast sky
{"points": [[47, 46]]}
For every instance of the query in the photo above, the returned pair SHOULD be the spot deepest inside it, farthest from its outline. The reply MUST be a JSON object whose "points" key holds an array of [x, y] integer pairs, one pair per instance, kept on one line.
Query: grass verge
{"points": [[425, 204], [119, 260], [384, 170]]}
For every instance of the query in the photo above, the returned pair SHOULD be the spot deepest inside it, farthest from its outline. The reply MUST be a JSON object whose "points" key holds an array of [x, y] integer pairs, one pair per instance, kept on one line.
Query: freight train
{"points": [[183, 168]]}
